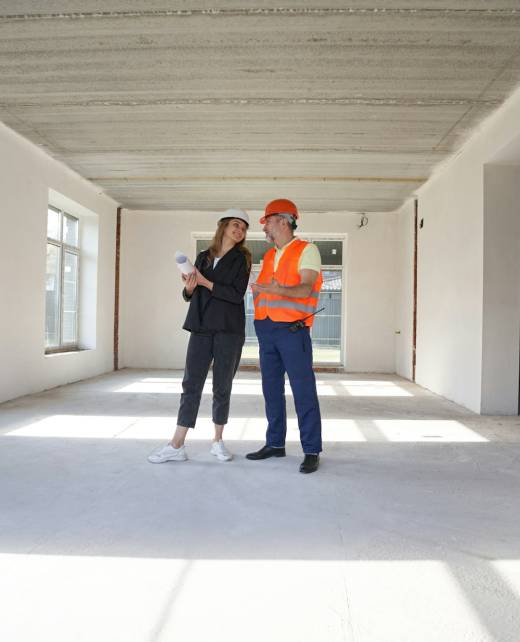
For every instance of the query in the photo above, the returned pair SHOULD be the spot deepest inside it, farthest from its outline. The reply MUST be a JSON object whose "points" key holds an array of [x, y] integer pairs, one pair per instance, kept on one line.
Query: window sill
{"points": [[61, 353]]}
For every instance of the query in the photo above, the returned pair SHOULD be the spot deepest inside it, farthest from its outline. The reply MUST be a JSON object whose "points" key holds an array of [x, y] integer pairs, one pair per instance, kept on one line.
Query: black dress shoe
{"points": [[266, 452], [310, 464]]}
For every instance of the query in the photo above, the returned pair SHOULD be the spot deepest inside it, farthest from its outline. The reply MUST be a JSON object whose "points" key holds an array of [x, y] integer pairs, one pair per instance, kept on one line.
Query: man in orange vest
{"points": [[285, 294]]}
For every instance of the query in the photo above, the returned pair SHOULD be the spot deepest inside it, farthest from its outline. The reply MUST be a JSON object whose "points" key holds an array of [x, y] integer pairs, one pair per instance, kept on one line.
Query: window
{"points": [[62, 281]]}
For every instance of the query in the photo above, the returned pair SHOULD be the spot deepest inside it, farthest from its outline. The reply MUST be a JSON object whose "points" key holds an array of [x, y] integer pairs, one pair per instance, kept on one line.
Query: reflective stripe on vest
{"points": [[280, 308]]}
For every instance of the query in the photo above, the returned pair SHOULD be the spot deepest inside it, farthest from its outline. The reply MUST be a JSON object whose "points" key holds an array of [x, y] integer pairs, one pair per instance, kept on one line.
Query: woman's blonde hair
{"points": [[216, 243]]}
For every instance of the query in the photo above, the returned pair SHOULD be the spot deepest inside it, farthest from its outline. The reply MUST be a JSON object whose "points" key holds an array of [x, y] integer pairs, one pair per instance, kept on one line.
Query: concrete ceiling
{"points": [[184, 105]]}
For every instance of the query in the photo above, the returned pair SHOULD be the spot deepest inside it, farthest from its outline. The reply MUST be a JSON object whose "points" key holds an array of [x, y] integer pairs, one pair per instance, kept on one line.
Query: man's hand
{"points": [[190, 282], [269, 288], [301, 291]]}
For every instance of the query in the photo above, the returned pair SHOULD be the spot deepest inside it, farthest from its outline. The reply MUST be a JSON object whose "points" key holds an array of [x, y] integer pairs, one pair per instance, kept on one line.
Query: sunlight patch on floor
{"points": [[373, 389], [75, 426], [325, 388], [427, 430], [139, 599], [245, 428], [110, 427], [509, 571]]}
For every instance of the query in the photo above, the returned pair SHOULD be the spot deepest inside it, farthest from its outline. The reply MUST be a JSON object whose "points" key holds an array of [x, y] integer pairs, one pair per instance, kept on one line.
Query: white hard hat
{"points": [[234, 212]]}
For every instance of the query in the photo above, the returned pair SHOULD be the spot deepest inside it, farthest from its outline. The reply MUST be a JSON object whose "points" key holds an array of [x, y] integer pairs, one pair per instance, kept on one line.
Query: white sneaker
{"points": [[220, 451], [167, 453]]}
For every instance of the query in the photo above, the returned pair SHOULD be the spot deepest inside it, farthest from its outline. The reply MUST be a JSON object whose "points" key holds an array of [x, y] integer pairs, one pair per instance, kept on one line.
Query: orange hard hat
{"points": [[280, 206]]}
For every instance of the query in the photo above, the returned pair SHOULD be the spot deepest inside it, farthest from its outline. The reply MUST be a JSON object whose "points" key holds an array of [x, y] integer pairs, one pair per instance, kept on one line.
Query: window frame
{"points": [[63, 247]]}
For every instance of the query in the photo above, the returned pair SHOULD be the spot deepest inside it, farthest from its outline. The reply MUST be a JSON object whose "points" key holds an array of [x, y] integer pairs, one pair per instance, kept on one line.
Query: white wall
{"points": [[404, 291], [451, 264], [152, 310], [449, 286], [370, 291], [26, 176], [501, 293]]}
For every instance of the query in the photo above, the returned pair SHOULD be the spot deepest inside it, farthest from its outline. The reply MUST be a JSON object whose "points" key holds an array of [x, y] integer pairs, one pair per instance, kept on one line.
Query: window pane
{"points": [[70, 298], [202, 244], [331, 252], [70, 230], [258, 249], [52, 294], [326, 330], [53, 224]]}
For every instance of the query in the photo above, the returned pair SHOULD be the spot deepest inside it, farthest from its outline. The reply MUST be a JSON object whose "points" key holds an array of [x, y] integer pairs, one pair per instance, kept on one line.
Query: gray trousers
{"points": [[224, 349]]}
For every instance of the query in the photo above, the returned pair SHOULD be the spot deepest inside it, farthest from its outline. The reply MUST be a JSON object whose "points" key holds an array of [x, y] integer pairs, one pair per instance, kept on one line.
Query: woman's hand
{"points": [[190, 282], [202, 280]]}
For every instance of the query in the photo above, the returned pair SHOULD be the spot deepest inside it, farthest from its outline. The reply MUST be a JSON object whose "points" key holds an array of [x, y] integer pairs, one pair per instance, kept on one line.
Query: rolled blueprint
{"points": [[183, 263]]}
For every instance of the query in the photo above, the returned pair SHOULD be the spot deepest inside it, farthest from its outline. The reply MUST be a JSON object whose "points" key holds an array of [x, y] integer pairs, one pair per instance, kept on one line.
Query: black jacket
{"points": [[221, 309]]}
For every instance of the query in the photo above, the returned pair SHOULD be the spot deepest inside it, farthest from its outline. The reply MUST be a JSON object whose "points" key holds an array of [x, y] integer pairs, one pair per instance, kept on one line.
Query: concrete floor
{"points": [[410, 530]]}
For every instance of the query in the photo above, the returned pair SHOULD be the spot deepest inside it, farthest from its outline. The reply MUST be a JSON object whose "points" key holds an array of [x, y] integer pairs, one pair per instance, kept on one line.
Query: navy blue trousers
{"points": [[283, 351]]}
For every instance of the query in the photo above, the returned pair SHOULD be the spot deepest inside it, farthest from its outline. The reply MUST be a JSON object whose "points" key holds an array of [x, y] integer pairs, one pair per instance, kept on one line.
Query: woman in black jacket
{"points": [[216, 320]]}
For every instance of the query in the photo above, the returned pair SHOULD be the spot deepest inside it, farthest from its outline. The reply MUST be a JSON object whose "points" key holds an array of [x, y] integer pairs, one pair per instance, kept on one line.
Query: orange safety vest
{"points": [[283, 308]]}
